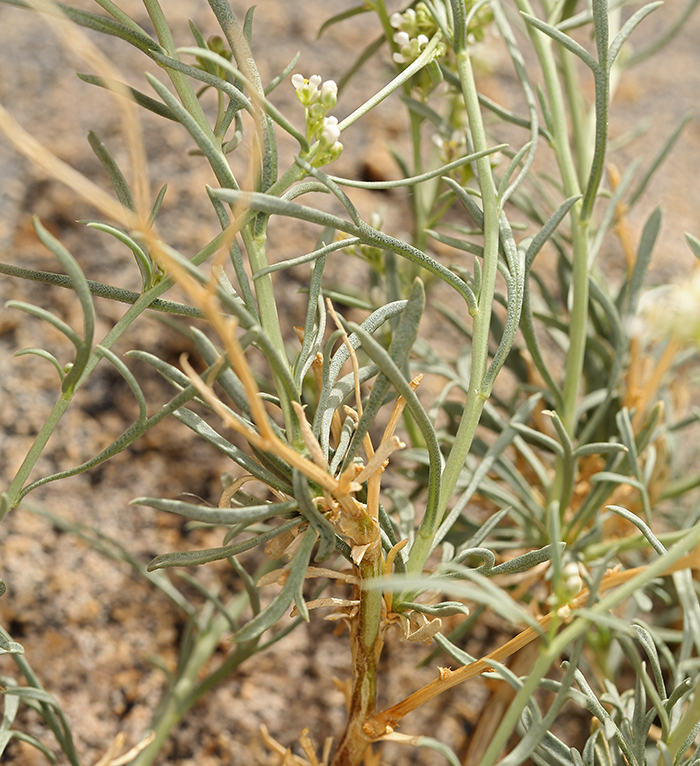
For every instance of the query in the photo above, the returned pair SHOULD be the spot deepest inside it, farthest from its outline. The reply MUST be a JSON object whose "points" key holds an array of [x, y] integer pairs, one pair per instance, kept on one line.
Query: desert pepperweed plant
{"points": [[527, 472]]}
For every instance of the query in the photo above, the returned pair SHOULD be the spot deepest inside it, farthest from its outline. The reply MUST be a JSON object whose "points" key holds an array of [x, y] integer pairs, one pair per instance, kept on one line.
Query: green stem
{"points": [[269, 320], [180, 82], [425, 58], [419, 217], [579, 118], [482, 318], [579, 315], [578, 323], [254, 240], [15, 488]]}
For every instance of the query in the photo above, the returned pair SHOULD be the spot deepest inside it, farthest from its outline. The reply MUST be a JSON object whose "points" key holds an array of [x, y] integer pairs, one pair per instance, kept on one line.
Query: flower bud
{"points": [[330, 132], [572, 577], [316, 111], [329, 94], [335, 151]]}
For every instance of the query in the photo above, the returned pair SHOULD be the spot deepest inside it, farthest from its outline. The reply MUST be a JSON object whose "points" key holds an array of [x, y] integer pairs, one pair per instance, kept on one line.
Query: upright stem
{"points": [[579, 118], [567, 167], [180, 82], [482, 318], [418, 191], [269, 319]]}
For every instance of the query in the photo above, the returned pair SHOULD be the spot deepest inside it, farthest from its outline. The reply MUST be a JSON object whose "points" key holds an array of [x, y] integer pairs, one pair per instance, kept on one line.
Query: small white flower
{"points": [[402, 39], [407, 21], [307, 90]]}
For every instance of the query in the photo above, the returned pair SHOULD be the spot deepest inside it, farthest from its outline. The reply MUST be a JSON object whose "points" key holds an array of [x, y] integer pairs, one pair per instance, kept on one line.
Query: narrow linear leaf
{"points": [[282, 76], [598, 448], [142, 259], [128, 376], [82, 290], [203, 429], [653, 540], [412, 180], [343, 16], [47, 316], [401, 345], [207, 555], [117, 178], [666, 36], [144, 101], [628, 28], [527, 560], [40, 352], [693, 244], [218, 516], [458, 244], [660, 157], [22, 736], [548, 229], [136, 37], [569, 43], [100, 290]]}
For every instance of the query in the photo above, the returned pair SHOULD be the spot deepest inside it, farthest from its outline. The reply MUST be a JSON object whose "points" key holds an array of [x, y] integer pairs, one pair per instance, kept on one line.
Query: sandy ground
{"points": [[89, 626]]}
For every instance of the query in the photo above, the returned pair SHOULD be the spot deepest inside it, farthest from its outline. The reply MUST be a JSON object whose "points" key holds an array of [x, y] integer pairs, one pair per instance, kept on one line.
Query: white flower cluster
{"points": [[319, 98], [409, 47], [412, 35]]}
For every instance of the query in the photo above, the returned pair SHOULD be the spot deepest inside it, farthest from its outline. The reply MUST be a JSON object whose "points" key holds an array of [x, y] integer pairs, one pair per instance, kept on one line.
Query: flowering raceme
{"points": [[319, 98]]}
